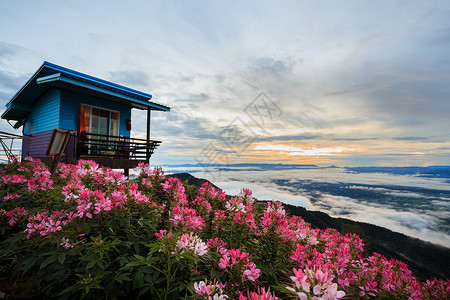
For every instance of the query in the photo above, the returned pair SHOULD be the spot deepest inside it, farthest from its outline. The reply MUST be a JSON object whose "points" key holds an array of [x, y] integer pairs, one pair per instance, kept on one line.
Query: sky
{"points": [[346, 83]]}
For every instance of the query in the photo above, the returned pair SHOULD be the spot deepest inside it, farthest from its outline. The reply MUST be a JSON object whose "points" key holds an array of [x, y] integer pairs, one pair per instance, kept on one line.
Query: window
{"points": [[98, 121]]}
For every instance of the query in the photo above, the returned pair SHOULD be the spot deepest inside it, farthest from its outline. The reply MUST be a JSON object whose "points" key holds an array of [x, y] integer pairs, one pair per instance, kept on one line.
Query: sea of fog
{"points": [[412, 204]]}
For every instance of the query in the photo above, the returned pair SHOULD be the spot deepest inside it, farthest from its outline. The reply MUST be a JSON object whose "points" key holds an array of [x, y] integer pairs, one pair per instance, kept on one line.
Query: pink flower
{"points": [[192, 243], [14, 179], [103, 203], [212, 291], [83, 208], [114, 177], [118, 199], [223, 262], [252, 273], [72, 190], [187, 218], [65, 243], [261, 294], [15, 214], [333, 293], [11, 196], [43, 224], [138, 197], [236, 255], [161, 233], [166, 185], [300, 280]]}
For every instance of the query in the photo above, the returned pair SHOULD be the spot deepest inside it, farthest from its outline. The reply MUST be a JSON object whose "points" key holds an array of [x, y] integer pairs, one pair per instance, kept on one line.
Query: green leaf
{"points": [[155, 276], [91, 264], [148, 278], [127, 244], [139, 257], [86, 258], [28, 263], [48, 261], [144, 290], [159, 280], [138, 278], [122, 277], [132, 264], [100, 264], [67, 290], [61, 258]]}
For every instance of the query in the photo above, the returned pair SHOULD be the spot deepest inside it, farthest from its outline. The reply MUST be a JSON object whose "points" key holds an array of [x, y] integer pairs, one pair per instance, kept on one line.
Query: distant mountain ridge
{"points": [[266, 166], [423, 258], [429, 171]]}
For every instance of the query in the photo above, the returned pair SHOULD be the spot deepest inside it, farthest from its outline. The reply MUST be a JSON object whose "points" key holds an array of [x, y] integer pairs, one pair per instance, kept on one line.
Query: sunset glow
{"points": [[296, 151]]}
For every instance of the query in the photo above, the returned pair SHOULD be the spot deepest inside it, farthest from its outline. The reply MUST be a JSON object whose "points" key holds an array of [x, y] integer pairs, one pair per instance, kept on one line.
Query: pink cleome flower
{"points": [[192, 243], [15, 214]]}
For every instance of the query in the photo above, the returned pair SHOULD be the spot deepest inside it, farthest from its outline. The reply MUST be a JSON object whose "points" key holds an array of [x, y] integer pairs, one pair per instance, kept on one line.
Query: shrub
{"points": [[90, 232]]}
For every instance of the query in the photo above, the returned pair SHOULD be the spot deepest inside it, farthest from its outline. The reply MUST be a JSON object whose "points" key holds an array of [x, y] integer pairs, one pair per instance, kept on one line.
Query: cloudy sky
{"points": [[311, 82]]}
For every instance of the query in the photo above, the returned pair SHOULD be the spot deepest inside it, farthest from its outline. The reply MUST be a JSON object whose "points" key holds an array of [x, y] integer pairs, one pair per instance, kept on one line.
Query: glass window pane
{"points": [[94, 122], [103, 125], [103, 121]]}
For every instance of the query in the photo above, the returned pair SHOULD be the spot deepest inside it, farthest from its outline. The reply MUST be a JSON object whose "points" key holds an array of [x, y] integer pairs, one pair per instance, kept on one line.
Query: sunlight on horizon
{"points": [[305, 151]]}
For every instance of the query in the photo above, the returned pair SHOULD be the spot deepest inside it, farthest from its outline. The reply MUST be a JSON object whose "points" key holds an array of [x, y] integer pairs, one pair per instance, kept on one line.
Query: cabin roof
{"points": [[50, 75]]}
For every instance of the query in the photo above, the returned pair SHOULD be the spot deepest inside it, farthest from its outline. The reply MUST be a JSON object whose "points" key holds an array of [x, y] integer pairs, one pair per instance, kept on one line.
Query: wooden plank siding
{"points": [[36, 145], [45, 113]]}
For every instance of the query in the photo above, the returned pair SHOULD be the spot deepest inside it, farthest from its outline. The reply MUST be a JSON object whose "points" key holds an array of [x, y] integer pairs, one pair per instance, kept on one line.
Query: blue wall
{"points": [[70, 107], [45, 113]]}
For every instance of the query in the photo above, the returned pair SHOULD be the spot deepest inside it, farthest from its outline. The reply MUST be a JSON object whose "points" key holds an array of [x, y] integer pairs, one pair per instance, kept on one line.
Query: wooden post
{"points": [[148, 135]]}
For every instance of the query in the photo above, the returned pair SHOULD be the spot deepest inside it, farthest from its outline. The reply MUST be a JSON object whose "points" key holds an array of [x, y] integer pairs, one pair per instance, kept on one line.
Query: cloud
{"points": [[180, 125], [441, 37], [7, 50], [269, 65], [416, 224], [268, 191], [409, 138], [130, 78], [293, 137], [11, 82]]}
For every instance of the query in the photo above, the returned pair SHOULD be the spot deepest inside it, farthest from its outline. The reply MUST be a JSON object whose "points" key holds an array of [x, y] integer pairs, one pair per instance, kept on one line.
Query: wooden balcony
{"points": [[114, 151]]}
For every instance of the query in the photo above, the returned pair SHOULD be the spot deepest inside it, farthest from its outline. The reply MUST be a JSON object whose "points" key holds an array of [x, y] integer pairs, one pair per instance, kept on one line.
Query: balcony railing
{"points": [[7, 151], [91, 145]]}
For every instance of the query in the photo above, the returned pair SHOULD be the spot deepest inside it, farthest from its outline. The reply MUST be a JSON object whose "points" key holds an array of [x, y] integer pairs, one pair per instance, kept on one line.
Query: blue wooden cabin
{"points": [[97, 112]]}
